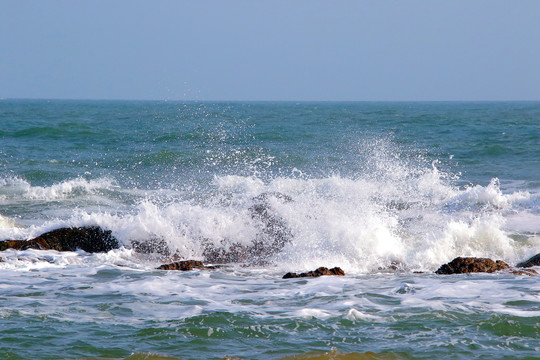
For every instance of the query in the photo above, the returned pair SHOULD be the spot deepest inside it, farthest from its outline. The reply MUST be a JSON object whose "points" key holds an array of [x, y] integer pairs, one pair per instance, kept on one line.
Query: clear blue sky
{"points": [[270, 50]]}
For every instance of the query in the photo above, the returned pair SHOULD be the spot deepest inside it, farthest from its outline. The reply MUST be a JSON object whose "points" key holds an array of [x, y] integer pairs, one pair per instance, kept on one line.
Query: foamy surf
{"points": [[387, 192], [358, 224]]}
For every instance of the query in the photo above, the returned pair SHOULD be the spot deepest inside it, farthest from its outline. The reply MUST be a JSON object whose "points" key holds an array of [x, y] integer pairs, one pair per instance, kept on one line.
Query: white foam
{"points": [[8, 223], [312, 313], [396, 213], [66, 189], [357, 224], [356, 315]]}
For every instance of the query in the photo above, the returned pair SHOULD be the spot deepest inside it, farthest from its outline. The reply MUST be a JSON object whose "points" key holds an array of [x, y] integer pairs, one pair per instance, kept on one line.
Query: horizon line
{"points": [[253, 100]]}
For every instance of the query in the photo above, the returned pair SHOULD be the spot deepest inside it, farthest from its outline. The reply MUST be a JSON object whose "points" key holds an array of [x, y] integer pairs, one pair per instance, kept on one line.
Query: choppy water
{"points": [[372, 184]]}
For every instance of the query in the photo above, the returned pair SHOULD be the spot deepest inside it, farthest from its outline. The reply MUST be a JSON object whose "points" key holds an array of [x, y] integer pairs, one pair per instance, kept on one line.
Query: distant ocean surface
{"points": [[386, 191]]}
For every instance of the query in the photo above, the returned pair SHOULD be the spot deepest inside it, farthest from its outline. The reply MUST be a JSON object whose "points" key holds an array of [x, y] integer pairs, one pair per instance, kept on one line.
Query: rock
{"points": [[393, 266], [184, 265], [236, 253], [528, 272], [274, 227], [273, 236], [534, 261], [464, 265], [316, 273], [91, 239], [152, 246]]}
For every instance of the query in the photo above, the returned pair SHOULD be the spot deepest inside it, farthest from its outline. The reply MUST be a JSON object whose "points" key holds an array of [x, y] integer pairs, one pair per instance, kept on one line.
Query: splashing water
{"points": [[381, 190]]}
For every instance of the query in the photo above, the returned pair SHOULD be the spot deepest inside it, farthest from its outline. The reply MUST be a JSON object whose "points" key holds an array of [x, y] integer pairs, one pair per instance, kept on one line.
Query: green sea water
{"points": [[386, 191]]}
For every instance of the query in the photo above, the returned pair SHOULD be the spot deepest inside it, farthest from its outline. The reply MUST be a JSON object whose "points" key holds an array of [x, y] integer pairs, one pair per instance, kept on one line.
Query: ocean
{"points": [[387, 191]]}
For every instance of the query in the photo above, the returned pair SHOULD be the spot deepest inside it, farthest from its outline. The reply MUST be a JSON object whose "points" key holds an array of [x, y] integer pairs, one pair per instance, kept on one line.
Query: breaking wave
{"points": [[409, 220]]}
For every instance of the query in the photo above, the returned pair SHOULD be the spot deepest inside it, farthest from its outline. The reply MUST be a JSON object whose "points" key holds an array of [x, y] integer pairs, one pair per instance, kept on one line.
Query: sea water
{"points": [[386, 191]]}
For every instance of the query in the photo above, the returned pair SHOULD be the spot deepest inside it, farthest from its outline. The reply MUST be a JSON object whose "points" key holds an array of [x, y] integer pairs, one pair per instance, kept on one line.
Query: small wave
{"points": [[40, 132], [9, 223], [15, 187]]}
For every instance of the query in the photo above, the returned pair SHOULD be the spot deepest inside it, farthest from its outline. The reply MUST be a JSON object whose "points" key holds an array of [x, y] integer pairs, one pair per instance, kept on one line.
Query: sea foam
{"points": [[397, 214]]}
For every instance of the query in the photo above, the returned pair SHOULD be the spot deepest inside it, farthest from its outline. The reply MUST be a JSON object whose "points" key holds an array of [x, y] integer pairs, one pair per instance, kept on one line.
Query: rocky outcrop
{"points": [[316, 273], [274, 234], [91, 239], [534, 261], [186, 265], [464, 265]]}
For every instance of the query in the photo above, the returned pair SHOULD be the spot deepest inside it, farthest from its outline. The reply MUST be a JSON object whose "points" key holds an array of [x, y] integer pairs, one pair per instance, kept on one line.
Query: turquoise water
{"points": [[372, 185]]}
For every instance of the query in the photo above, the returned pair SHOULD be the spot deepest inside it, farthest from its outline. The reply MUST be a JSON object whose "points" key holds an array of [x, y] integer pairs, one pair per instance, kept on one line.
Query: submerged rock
{"points": [[464, 265], [91, 239], [528, 272], [534, 261], [316, 273]]}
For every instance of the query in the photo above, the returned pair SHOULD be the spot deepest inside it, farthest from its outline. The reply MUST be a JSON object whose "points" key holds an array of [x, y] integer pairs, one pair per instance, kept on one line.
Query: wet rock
{"points": [[398, 205], [273, 236], [184, 265], [91, 239], [273, 225], [236, 253], [393, 266], [316, 273], [464, 265], [152, 246], [528, 272], [534, 261]]}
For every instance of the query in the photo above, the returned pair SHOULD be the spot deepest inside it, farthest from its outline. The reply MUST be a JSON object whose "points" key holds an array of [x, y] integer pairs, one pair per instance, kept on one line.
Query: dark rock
{"points": [[152, 246], [91, 239], [274, 227], [316, 273], [234, 254], [464, 265], [534, 261], [184, 265], [274, 234], [398, 205]]}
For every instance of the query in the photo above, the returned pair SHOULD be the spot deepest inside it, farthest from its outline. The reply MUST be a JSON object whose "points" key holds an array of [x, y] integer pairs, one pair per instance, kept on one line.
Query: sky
{"points": [[299, 50]]}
